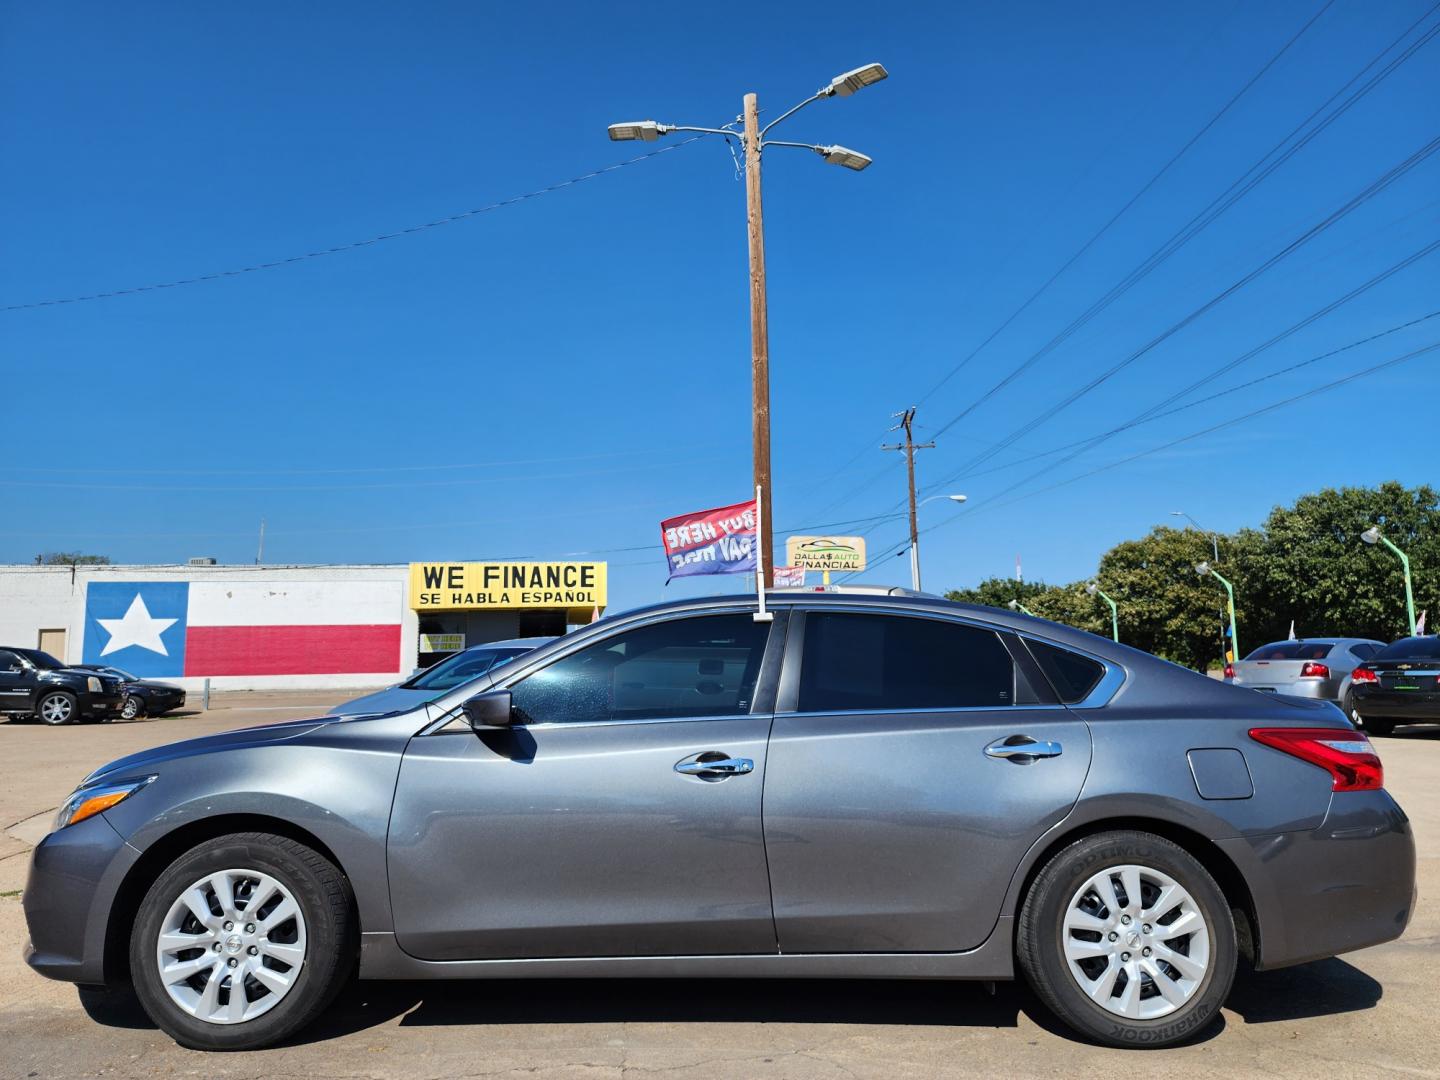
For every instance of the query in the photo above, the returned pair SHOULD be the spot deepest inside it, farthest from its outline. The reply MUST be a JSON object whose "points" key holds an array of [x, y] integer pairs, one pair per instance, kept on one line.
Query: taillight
{"points": [[1314, 670], [1346, 755], [1363, 674], [1229, 671]]}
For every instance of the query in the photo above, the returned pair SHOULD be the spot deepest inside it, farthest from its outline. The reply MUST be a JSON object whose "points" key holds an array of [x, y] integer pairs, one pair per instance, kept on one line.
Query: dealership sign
{"points": [[826, 552], [442, 642], [719, 541], [476, 586]]}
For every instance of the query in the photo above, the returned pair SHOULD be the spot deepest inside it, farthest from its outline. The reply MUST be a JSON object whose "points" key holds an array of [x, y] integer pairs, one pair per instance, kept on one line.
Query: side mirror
{"points": [[489, 710]]}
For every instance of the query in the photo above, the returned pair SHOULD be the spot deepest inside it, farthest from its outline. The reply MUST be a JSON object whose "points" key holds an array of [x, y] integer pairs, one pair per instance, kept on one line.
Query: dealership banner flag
{"points": [[718, 541]]}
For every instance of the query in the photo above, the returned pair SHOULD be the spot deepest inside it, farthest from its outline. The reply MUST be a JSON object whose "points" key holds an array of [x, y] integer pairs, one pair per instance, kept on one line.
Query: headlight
{"points": [[94, 685], [89, 801]]}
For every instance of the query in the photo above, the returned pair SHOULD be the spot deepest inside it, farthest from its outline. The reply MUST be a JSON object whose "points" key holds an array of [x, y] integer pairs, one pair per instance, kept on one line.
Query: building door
{"points": [[53, 642]]}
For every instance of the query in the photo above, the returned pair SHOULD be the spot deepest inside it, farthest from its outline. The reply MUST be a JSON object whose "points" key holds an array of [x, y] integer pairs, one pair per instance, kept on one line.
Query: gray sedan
{"points": [[1309, 668], [864, 785]]}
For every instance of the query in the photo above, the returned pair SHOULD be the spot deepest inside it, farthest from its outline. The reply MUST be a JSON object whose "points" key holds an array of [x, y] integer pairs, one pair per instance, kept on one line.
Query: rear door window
{"points": [[860, 662]]}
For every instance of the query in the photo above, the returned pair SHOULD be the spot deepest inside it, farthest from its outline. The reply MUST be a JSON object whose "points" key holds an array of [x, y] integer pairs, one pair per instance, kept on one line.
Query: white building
{"points": [[274, 627]]}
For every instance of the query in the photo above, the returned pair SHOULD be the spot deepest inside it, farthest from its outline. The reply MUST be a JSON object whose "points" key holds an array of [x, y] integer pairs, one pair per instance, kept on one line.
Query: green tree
{"points": [[1312, 567], [70, 558]]}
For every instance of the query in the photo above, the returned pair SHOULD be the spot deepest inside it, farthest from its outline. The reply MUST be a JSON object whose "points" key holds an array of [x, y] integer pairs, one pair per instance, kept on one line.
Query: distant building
{"points": [[272, 627]]}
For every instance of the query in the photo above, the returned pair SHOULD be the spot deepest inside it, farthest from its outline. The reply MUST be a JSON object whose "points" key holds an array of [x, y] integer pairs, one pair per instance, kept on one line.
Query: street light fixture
{"points": [[1094, 590], [1373, 536], [1204, 569], [851, 81], [753, 142], [915, 539]]}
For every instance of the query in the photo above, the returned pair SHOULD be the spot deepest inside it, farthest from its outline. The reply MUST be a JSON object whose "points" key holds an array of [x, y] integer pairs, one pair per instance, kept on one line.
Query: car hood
{"points": [[151, 684], [226, 740], [393, 699]]}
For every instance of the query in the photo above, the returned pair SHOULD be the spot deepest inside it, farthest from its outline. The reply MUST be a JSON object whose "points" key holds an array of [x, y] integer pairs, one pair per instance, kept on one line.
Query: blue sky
{"points": [[556, 376]]}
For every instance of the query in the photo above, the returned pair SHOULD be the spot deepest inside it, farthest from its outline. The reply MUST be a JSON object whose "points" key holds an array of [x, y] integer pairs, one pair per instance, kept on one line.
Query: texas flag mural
{"points": [[200, 628]]}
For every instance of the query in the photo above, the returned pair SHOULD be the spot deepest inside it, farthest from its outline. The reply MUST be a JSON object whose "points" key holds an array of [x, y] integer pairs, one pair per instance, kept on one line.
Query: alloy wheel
{"points": [[1136, 942], [231, 946], [130, 709], [56, 709]]}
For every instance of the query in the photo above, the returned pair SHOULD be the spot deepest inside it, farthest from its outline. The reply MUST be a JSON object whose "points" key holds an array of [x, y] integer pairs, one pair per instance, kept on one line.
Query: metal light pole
{"points": [[1215, 548], [915, 534], [1094, 590], [1373, 536], [1204, 569], [752, 140]]}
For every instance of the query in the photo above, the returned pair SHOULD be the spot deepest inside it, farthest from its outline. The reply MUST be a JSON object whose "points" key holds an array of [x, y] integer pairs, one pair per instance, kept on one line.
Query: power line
{"points": [[991, 504], [1223, 202], [1150, 417], [355, 244], [1144, 188], [1231, 365], [1356, 201]]}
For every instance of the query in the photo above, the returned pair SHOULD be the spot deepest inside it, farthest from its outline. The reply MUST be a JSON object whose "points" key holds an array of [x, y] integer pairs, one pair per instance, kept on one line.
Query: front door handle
{"points": [[1022, 749], [714, 765]]}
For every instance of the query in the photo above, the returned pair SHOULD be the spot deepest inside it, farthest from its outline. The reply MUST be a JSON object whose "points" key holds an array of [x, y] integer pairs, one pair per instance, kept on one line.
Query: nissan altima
{"points": [[865, 784]]}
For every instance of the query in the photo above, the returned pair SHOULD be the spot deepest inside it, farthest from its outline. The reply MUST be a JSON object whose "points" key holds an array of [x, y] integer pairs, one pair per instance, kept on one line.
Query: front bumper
{"points": [[75, 874], [1347, 885], [99, 704], [1419, 706]]}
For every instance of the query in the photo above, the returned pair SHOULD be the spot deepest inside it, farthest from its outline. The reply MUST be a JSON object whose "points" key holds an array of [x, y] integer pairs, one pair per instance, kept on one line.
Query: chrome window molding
{"points": [[947, 710], [444, 725]]}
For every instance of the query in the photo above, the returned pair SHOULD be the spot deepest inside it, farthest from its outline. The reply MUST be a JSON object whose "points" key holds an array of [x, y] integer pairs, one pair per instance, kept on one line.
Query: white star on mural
{"points": [[138, 627]]}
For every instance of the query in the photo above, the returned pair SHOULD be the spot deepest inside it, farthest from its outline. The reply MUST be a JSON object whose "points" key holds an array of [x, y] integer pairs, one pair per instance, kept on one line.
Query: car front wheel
{"points": [[241, 941], [132, 708], [56, 708], [1127, 938]]}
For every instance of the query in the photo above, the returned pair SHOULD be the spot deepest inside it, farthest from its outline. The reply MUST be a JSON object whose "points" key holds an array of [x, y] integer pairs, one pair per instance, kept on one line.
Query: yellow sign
{"points": [[442, 642], [826, 552], [476, 586]]}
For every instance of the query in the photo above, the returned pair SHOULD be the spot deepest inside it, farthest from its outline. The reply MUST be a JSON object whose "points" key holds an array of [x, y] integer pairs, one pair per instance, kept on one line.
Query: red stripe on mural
{"points": [[292, 650]]}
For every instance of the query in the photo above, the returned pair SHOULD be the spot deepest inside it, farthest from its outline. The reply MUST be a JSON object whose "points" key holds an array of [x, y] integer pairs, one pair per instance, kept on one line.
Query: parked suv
{"points": [[34, 683]]}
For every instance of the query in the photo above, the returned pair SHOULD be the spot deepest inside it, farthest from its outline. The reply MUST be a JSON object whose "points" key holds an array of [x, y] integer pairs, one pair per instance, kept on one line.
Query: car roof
{"points": [[1322, 641]]}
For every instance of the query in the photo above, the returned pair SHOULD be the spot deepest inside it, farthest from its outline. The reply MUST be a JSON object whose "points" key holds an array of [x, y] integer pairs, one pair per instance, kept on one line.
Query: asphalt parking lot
{"points": [[1366, 1014]]}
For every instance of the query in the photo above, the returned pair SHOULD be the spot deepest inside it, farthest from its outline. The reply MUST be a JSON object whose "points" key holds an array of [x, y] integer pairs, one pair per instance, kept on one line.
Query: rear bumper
{"points": [[1347, 885], [74, 876], [1400, 704]]}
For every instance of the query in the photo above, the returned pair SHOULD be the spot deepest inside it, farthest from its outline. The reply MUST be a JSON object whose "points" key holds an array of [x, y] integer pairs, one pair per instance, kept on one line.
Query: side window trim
{"points": [[788, 698]]}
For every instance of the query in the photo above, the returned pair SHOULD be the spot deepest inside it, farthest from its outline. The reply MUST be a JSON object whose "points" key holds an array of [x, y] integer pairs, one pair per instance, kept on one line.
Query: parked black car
{"points": [[34, 683], [143, 697], [1399, 685]]}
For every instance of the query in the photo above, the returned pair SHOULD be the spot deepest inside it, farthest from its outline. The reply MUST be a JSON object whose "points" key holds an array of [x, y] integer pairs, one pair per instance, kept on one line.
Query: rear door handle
{"points": [[1022, 749], [714, 765]]}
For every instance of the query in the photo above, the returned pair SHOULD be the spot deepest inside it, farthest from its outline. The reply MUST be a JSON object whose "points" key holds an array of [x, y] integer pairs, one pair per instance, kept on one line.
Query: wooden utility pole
{"points": [[907, 421], [759, 338]]}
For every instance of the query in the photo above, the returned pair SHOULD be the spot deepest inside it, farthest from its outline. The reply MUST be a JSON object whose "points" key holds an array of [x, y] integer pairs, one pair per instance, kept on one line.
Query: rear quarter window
{"points": [[1073, 676], [1426, 648]]}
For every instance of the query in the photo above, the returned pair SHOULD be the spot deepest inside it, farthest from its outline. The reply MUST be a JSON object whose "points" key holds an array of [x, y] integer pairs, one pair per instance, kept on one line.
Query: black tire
{"points": [[326, 903], [1378, 725], [61, 706], [1041, 932], [1347, 706], [132, 708]]}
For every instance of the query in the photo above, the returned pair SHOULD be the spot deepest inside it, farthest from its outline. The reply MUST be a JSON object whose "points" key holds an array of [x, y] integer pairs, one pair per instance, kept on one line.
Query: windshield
{"points": [[42, 660], [1415, 648], [1292, 650], [120, 673], [462, 667]]}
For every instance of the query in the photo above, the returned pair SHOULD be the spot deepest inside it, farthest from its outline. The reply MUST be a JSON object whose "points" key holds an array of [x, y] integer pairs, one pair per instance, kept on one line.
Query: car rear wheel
{"points": [[56, 708], [241, 941], [132, 708], [1128, 939]]}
